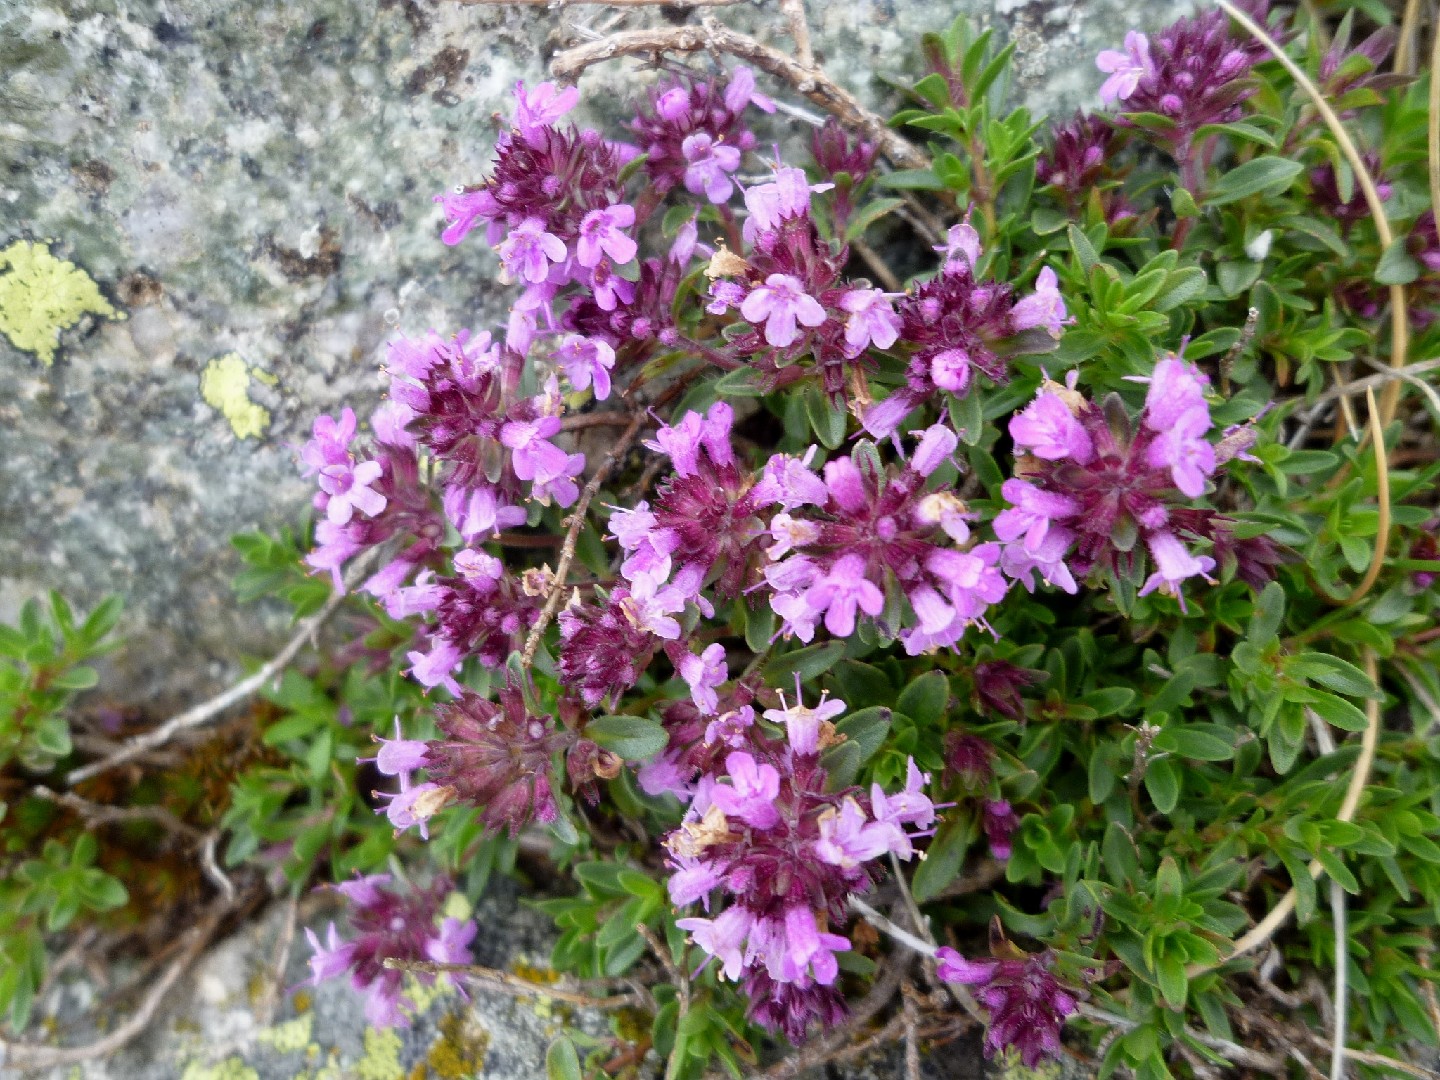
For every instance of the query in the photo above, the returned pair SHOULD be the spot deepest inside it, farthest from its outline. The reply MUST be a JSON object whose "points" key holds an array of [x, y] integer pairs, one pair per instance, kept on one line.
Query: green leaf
{"points": [[634, 738], [562, 1062], [866, 729], [1267, 174], [1170, 974], [1162, 781], [1202, 742], [1084, 250], [809, 662], [76, 678], [868, 214], [739, 383], [1109, 700], [1269, 610], [942, 860], [1396, 266], [925, 698], [1333, 673], [827, 419], [1337, 712]]}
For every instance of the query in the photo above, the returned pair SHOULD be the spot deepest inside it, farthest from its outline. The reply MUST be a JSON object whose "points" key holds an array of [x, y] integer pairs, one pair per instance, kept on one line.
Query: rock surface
{"points": [[249, 186], [214, 1026]]}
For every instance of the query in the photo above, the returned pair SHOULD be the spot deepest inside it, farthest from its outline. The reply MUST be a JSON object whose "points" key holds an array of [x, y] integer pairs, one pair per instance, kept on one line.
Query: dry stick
{"points": [[31, 1056], [572, 536], [1399, 317], [1366, 1057], [1371, 382], [812, 83], [877, 266], [911, 1018], [794, 12], [830, 1047], [1339, 925], [1262, 931], [597, 419], [504, 982], [208, 710], [1405, 47], [1415, 381], [1240, 1055], [96, 814], [212, 868], [1382, 481]]}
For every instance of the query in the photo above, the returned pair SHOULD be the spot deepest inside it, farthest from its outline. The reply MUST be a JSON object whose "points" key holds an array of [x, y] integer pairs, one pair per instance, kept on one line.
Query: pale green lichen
{"points": [[382, 1056], [291, 1036], [41, 295], [225, 386], [230, 1069], [1010, 1068]]}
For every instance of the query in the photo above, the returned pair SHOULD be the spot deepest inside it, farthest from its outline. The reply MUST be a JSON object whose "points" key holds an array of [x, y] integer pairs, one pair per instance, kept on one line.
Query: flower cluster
{"points": [[1027, 1004], [390, 924], [871, 540], [1194, 73], [784, 853], [1091, 487]]}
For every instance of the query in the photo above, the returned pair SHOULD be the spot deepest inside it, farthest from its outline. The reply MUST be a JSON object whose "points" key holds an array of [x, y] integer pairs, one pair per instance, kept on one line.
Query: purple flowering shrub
{"points": [[1026, 594]]}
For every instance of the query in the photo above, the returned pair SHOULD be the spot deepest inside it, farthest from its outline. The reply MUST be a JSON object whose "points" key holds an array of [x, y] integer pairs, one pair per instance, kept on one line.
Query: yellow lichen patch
{"points": [[41, 295], [225, 386], [291, 1036], [382, 1056], [1012, 1069], [460, 1050], [230, 1069], [422, 996]]}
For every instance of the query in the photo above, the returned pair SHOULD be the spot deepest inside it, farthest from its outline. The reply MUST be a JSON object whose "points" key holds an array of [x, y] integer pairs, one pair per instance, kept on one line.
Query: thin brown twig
{"points": [[594, 419], [98, 814], [506, 983], [31, 1056], [1382, 529], [911, 1018], [794, 12], [572, 536], [1367, 1057], [877, 266], [1374, 382], [212, 869], [208, 710], [1407, 45], [710, 35]]}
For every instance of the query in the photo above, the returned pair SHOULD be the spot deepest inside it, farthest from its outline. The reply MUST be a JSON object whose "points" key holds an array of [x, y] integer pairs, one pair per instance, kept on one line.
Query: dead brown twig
{"points": [[31, 1056], [97, 814], [208, 710], [710, 36]]}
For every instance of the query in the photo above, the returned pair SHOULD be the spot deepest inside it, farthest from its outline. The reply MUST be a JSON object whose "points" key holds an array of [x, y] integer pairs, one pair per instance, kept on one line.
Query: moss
{"points": [[41, 295], [460, 1050], [225, 386], [289, 1037], [382, 1056]]}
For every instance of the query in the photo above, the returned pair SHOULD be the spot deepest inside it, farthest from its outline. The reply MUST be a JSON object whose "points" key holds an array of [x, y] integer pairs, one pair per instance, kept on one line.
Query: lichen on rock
{"points": [[41, 295], [225, 386]]}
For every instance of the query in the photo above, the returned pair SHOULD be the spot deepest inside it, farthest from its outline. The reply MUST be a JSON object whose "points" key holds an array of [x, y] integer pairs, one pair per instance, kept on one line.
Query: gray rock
{"points": [[250, 188]]}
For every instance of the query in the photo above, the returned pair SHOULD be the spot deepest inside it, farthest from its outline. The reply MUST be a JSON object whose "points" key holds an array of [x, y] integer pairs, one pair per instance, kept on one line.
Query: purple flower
{"points": [[650, 605], [847, 838], [329, 442], [805, 951], [844, 590], [462, 209], [950, 370], [1176, 387], [752, 791], [529, 250], [1049, 430], [1044, 307], [708, 166], [872, 321], [961, 247], [587, 361], [1173, 566], [782, 302], [435, 668], [723, 937], [1184, 450], [602, 232], [1000, 823], [703, 674], [937, 443], [803, 724], [1027, 1004], [787, 196], [399, 755], [1125, 69], [414, 804], [348, 488], [535, 457], [740, 92], [542, 106], [452, 944], [331, 959], [1032, 513]]}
